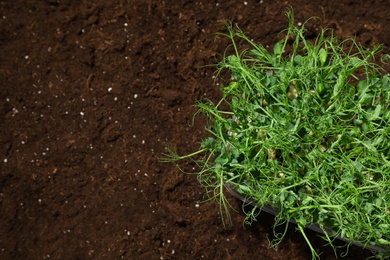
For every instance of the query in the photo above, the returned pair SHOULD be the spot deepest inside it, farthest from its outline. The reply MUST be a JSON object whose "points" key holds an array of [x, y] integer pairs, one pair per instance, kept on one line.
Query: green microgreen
{"points": [[306, 132]]}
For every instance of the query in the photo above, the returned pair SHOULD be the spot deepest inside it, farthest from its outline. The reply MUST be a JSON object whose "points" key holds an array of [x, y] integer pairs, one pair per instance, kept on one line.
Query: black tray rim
{"points": [[315, 227]]}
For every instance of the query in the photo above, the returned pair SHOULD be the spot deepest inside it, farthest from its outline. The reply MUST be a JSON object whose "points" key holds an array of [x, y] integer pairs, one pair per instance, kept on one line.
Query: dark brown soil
{"points": [[92, 93]]}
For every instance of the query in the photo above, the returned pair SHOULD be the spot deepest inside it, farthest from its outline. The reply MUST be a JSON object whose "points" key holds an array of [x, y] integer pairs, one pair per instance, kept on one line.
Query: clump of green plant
{"points": [[306, 132]]}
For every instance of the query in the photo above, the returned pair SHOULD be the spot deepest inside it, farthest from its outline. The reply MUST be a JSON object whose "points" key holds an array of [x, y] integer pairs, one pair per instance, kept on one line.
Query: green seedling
{"points": [[306, 132]]}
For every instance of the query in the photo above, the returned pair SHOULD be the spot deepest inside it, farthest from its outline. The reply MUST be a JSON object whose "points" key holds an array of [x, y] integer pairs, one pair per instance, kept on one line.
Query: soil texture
{"points": [[92, 93]]}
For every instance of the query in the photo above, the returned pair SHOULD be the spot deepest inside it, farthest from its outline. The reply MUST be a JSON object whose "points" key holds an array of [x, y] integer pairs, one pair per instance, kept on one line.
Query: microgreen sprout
{"points": [[306, 132]]}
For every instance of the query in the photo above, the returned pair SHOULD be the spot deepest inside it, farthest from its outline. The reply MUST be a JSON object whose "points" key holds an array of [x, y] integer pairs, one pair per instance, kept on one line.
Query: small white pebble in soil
{"points": [[5, 160], [146, 175], [197, 205], [39, 201], [168, 241], [134, 136], [143, 141], [135, 95], [125, 24], [128, 233], [299, 24], [81, 113], [245, 3], [109, 89], [26, 57], [14, 111]]}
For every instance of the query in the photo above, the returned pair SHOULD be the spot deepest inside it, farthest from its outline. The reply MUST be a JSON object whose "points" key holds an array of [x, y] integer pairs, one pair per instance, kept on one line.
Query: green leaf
{"points": [[358, 166], [384, 226], [366, 98], [385, 83], [278, 49], [209, 143], [362, 87], [383, 241], [376, 113], [323, 55], [232, 86], [243, 189], [368, 208], [378, 203], [221, 160], [298, 59]]}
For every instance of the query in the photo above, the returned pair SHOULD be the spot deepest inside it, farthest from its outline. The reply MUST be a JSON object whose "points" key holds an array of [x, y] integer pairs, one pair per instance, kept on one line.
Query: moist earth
{"points": [[91, 95]]}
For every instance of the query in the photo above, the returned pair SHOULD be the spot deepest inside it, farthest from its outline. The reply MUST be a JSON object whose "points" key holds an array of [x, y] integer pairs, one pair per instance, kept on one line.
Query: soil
{"points": [[91, 95]]}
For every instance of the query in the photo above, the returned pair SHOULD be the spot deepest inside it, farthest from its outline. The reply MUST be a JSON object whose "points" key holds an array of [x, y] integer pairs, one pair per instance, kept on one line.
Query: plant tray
{"points": [[314, 227]]}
